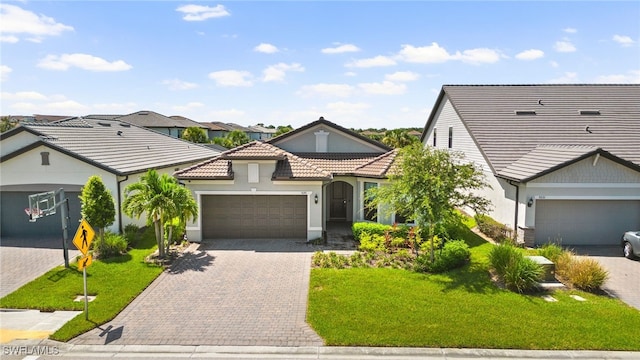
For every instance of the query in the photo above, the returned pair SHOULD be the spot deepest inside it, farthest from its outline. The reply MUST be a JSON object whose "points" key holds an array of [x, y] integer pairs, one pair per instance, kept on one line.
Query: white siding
{"points": [[337, 141]]}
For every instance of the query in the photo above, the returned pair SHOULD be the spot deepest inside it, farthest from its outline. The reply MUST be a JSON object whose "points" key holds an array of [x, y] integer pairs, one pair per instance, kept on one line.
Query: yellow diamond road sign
{"points": [[84, 262], [84, 237]]}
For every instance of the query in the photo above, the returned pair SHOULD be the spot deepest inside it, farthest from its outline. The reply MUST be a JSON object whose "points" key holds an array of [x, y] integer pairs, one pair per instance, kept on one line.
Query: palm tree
{"points": [[152, 195], [185, 208], [398, 138]]}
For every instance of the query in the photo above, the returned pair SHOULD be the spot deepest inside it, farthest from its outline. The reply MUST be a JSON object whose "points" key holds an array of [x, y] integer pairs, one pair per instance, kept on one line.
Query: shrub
{"points": [[425, 247], [493, 229], [372, 242], [329, 260], [112, 245], [500, 257], [358, 260], [368, 227], [563, 264], [131, 233], [452, 255], [587, 274], [550, 251], [522, 274]]}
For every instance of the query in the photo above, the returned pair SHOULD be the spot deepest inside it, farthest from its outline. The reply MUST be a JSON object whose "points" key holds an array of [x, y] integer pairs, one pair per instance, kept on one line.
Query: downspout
{"points": [[515, 222], [120, 203]]}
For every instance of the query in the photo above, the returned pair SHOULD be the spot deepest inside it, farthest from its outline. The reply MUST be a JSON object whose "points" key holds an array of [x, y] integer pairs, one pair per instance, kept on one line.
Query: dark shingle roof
{"points": [[117, 146], [508, 122], [182, 121]]}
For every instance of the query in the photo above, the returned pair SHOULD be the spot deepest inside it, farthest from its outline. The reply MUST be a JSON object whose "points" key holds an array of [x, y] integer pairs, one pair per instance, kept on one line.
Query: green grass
{"points": [[115, 282], [461, 308]]}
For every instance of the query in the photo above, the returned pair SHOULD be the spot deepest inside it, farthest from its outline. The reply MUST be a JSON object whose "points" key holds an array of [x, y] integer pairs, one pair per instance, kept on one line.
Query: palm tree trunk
{"points": [[169, 237], [158, 230]]}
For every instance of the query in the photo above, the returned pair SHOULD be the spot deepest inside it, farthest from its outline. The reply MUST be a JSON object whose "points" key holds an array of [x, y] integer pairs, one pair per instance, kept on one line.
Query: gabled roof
{"points": [[116, 146], [182, 121], [289, 166], [508, 122], [150, 119], [322, 121]]}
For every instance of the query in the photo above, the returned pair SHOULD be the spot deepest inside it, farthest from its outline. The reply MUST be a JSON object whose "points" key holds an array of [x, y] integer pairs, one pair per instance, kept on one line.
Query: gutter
{"points": [[120, 202], [515, 222]]}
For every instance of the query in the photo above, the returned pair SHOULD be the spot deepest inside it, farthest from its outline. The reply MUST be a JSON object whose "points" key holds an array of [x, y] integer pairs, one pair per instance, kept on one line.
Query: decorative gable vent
{"points": [[589, 112], [322, 138], [525, 112]]}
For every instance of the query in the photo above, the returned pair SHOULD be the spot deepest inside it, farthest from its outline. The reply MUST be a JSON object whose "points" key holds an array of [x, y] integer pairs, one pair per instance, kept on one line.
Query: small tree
{"points": [[398, 138], [195, 135], [283, 130], [97, 206], [430, 186], [6, 124], [232, 139]]}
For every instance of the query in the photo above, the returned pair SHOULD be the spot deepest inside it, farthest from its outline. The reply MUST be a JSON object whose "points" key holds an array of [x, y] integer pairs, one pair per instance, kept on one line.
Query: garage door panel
{"points": [[585, 222], [254, 216]]}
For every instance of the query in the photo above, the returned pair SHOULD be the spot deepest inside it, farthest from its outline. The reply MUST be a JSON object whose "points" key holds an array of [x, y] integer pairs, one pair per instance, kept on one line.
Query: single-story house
{"points": [[563, 160], [40, 157], [173, 126], [290, 186]]}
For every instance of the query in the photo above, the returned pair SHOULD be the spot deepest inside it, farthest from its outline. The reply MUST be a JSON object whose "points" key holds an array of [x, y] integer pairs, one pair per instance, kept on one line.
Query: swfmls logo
{"points": [[30, 350]]}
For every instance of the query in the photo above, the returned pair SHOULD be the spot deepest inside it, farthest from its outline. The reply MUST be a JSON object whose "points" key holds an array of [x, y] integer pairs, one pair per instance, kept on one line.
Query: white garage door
{"points": [[585, 222], [254, 216]]}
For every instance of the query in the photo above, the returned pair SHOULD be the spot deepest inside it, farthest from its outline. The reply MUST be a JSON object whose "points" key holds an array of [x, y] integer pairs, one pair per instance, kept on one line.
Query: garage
{"points": [[254, 216], [15, 222], [585, 222]]}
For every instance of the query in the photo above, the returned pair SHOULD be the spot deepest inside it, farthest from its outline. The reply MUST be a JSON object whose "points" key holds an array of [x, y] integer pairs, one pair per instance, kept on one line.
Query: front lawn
{"points": [[460, 308], [115, 282]]}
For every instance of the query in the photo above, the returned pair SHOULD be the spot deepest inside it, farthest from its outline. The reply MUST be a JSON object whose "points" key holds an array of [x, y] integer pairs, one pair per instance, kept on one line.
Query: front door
{"points": [[339, 200]]}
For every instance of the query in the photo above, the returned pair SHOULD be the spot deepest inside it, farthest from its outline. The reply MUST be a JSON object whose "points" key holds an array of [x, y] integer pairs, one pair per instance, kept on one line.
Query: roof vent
{"points": [[143, 113], [119, 133], [589, 112], [104, 123], [525, 112], [125, 125]]}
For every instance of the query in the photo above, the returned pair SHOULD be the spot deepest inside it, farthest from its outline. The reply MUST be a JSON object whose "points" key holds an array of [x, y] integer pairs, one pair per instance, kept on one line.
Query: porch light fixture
{"points": [[530, 202], [315, 198]]}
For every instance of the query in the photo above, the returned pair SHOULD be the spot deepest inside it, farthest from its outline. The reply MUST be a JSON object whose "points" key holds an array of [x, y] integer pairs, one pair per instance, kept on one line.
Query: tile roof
{"points": [[150, 119], [508, 122], [299, 166], [544, 158], [117, 146], [186, 122]]}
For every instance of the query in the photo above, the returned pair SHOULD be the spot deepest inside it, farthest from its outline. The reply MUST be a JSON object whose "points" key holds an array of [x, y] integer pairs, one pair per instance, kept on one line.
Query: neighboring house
{"points": [[288, 187], [172, 126], [262, 133], [39, 157], [563, 160], [256, 132]]}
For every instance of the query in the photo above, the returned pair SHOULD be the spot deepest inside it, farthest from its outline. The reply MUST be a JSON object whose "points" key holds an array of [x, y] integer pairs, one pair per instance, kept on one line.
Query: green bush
{"points": [[372, 242], [585, 273], [330, 260], [550, 251], [493, 229], [453, 254], [522, 274], [131, 233], [112, 245], [518, 272], [368, 227]]}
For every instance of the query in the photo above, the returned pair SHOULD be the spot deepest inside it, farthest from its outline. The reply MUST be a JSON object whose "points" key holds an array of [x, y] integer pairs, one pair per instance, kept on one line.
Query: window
{"points": [[370, 213], [450, 137], [435, 135], [45, 158], [254, 173]]}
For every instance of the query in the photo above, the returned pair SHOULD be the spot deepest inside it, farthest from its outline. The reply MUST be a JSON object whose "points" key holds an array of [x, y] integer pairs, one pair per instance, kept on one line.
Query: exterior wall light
{"points": [[315, 198], [530, 202]]}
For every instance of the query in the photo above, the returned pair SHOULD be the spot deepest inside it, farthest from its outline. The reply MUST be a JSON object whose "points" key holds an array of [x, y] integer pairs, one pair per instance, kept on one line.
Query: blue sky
{"points": [[359, 64]]}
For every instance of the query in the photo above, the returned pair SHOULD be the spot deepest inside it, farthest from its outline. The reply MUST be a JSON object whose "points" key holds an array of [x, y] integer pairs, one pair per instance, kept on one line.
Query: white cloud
{"points": [[372, 62], [564, 46], [231, 78], [115, 108], [350, 73], [176, 84], [402, 76], [188, 107], [66, 107], [632, 77], [570, 30], [531, 54], [326, 90], [9, 39], [15, 20], [4, 72], [431, 54], [221, 115], [342, 107], [23, 95], [344, 48], [266, 48], [623, 40], [478, 56], [278, 71], [82, 61], [200, 13], [554, 64], [383, 88], [566, 78]]}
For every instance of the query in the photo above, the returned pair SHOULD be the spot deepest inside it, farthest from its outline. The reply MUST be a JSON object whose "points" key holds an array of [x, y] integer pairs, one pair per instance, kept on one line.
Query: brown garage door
{"points": [[254, 216], [585, 222]]}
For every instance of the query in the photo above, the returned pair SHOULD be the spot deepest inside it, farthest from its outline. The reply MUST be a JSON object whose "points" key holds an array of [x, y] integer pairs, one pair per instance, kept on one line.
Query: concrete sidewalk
{"points": [[50, 350], [31, 324]]}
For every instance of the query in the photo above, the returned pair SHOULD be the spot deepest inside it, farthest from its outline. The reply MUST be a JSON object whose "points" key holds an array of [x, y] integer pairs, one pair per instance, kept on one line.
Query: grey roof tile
{"points": [[544, 158]]}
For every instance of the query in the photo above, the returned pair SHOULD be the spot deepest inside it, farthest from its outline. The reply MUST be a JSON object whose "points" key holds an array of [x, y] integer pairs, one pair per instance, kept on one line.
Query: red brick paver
{"points": [[230, 292]]}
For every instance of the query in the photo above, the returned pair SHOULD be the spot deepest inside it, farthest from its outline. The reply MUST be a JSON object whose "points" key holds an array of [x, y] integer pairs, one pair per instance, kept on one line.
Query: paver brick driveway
{"points": [[224, 292]]}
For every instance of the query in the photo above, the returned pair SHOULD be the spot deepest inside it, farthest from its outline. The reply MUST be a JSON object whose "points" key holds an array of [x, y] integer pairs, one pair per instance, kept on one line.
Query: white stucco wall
{"points": [[17, 141], [305, 141], [240, 186]]}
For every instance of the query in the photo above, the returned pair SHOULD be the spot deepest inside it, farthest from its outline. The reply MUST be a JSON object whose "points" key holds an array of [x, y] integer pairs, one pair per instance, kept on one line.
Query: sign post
{"points": [[82, 240]]}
